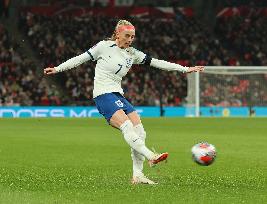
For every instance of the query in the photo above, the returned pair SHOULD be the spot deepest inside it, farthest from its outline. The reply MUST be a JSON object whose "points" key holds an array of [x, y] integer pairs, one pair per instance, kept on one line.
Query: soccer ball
{"points": [[204, 153]]}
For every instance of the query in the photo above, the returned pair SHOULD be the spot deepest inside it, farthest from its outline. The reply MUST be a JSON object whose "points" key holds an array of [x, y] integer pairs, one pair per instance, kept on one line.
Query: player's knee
{"points": [[127, 126], [118, 119], [128, 131]]}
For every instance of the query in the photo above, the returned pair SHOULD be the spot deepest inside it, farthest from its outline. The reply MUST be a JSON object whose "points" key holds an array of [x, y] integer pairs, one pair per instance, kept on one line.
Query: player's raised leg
{"points": [[134, 117], [120, 120]]}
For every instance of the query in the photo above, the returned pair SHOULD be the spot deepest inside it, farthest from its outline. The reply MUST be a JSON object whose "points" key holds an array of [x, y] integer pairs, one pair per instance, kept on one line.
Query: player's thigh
{"points": [[134, 117], [118, 118]]}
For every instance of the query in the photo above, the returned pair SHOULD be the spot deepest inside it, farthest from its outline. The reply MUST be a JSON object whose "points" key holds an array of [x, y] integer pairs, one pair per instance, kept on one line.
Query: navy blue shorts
{"points": [[107, 104]]}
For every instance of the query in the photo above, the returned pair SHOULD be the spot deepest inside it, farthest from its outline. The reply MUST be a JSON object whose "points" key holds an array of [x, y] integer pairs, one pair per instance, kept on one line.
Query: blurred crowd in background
{"points": [[20, 84], [233, 41]]}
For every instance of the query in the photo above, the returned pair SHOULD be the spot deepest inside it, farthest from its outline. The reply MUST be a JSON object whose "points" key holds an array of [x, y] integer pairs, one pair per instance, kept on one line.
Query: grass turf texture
{"points": [[86, 161]]}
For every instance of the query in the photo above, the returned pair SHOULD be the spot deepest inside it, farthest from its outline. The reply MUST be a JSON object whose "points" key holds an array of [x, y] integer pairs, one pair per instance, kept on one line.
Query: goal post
{"points": [[227, 91]]}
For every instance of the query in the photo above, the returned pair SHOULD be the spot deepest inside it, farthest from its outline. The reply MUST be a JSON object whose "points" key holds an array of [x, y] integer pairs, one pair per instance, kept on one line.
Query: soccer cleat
{"points": [[142, 180], [158, 158]]}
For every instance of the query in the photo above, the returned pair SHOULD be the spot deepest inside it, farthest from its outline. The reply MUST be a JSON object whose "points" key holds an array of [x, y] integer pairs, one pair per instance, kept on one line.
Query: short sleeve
{"points": [[139, 57], [95, 51]]}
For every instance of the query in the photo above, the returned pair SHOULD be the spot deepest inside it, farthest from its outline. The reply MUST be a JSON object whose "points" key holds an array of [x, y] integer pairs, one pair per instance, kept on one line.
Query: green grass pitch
{"points": [[86, 161]]}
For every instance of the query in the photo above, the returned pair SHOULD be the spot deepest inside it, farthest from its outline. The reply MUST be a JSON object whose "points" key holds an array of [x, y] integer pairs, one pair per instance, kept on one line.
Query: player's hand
{"points": [[195, 69], [49, 70]]}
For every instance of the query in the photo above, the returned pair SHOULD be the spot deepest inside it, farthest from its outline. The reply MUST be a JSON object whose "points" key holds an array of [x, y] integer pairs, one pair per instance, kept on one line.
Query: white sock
{"points": [[134, 140], [138, 159]]}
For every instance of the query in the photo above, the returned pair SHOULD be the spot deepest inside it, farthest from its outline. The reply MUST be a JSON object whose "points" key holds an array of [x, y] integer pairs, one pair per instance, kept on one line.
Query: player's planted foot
{"points": [[142, 180], [158, 158]]}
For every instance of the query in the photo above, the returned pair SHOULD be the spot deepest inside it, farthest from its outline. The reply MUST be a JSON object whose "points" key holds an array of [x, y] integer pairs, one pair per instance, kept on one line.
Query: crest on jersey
{"points": [[119, 103], [129, 62]]}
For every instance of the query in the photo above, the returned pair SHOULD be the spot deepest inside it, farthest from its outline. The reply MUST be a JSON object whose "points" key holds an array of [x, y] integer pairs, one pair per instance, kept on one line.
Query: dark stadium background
{"points": [[37, 34]]}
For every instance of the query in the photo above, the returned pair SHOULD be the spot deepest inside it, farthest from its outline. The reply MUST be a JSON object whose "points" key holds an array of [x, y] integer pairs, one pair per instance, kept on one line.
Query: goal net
{"points": [[227, 91]]}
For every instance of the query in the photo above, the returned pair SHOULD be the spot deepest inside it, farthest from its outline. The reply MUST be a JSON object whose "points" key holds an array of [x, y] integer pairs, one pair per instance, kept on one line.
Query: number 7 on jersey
{"points": [[119, 69]]}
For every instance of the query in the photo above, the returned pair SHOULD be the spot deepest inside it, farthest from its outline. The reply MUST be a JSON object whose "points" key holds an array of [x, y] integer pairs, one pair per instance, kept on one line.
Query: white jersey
{"points": [[113, 63]]}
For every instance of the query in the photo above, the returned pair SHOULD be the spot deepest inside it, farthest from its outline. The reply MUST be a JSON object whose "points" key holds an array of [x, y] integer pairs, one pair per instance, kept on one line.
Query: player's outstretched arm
{"points": [[69, 64], [164, 65]]}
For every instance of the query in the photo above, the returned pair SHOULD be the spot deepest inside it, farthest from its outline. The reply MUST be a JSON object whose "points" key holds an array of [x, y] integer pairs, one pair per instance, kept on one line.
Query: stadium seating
{"points": [[233, 42], [20, 85]]}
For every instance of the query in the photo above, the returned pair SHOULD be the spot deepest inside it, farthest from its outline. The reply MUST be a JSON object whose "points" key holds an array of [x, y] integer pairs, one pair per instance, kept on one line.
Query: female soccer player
{"points": [[114, 59]]}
